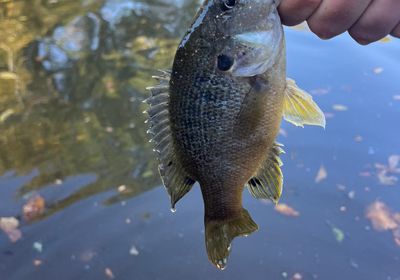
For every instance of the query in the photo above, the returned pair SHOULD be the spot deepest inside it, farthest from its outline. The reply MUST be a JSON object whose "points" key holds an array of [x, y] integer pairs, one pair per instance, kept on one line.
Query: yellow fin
{"points": [[299, 107], [268, 182]]}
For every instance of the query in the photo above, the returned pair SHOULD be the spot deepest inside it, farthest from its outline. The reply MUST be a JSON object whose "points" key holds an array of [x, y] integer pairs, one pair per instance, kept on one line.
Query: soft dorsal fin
{"points": [[299, 107], [268, 182], [174, 177]]}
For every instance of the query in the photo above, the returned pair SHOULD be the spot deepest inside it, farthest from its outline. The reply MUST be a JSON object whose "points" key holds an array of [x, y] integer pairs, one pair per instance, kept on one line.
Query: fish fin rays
{"points": [[174, 177], [268, 182], [299, 107], [220, 233]]}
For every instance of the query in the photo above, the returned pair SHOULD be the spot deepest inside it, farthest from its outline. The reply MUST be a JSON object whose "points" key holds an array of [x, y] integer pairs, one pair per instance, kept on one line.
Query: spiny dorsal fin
{"points": [[268, 182], [299, 107], [175, 179]]}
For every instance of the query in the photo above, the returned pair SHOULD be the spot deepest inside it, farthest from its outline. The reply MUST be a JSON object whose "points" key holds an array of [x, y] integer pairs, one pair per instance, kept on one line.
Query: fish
{"points": [[214, 117]]}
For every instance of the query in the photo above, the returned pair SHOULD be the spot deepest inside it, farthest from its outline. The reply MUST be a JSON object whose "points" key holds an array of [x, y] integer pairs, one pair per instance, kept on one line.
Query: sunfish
{"points": [[215, 116]]}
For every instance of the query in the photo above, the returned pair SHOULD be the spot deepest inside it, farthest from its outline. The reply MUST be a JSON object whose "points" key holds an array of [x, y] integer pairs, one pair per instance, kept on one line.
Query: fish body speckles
{"points": [[215, 117]]}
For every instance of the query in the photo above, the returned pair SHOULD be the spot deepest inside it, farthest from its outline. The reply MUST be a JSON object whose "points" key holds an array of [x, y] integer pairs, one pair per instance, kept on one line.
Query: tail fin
{"points": [[220, 233]]}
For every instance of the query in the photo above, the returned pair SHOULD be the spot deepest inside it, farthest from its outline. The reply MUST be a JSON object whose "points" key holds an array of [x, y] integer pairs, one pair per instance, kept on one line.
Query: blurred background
{"points": [[80, 195]]}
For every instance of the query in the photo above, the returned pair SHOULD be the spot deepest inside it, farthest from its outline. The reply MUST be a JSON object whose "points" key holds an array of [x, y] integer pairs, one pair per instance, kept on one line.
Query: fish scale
{"points": [[214, 118]]}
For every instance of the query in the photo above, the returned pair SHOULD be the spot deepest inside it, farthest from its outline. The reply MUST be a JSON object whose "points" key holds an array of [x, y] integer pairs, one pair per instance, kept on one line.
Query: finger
{"points": [[334, 17], [396, 31], [380, 18], [294, 12]]}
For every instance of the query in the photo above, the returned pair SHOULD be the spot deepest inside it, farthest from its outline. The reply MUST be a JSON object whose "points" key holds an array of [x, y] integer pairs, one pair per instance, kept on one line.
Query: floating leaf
{"points": [[134, 251], [386, 179], [121, 188], [10, 227], [297, 276], [286, 210], [381, 217], [38, 247], [393, 162], [396, 236], [37, 262], [33, 208], [340, 108], [338, 233], [321, 175], [109, 273], [358, 138]]}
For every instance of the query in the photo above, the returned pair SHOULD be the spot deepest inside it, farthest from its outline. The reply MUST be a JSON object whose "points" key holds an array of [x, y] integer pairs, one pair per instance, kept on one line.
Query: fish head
{"points": [[242, 38], [253, 36]]}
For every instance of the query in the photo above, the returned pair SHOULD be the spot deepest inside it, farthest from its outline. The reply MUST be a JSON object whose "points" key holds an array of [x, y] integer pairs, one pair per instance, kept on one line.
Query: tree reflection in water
{"points": [[72, 78]]}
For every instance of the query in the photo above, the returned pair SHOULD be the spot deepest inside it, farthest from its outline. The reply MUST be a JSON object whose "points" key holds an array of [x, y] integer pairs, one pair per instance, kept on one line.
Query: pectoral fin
{"points": [[299, 107], [175, 178], [268, 182]]}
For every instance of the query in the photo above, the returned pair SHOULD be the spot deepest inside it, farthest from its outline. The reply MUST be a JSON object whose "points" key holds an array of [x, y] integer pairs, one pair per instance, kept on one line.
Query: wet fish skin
{"points": [[214, 118], [223, 126]]}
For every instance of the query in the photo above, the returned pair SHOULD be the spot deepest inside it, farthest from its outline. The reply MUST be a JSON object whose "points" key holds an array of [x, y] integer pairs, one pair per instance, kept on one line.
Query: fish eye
{"points": [[228, 4], [225, 62]]}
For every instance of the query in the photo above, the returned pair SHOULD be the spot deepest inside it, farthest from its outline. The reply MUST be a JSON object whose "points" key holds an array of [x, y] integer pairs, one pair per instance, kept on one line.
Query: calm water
{"points": [[72, 79]]}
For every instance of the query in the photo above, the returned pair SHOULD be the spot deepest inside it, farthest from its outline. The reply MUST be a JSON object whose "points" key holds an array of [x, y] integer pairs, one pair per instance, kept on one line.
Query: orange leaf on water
{"points": [[33, 208], [286, 210], [381, 217]]}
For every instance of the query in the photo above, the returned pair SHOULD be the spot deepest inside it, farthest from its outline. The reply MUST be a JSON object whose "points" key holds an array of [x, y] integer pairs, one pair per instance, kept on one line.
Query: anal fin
{"points": [[268, 182], [174, 177]]}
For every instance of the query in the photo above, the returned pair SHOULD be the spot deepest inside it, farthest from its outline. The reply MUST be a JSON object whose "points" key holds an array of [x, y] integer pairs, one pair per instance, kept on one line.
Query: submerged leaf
{"points": [[286, 210], [321, 175], [338, 233]]}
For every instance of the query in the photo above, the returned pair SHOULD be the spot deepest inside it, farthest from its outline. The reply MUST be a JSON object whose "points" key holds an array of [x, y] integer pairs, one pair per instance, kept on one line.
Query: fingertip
{"points": [[294, 12], [396, 31], [323, 31]]}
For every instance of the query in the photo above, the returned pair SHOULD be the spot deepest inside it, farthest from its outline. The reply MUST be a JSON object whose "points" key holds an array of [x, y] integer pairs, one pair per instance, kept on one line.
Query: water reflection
{"points": [[72, 131], [72, 82]]}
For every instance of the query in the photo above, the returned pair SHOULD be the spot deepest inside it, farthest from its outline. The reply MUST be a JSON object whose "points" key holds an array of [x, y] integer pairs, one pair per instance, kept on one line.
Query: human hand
{"points": [[365, 20]]}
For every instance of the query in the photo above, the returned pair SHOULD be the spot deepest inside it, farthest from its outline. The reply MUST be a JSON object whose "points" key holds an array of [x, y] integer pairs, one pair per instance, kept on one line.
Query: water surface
{"points": [[72, 80]]}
